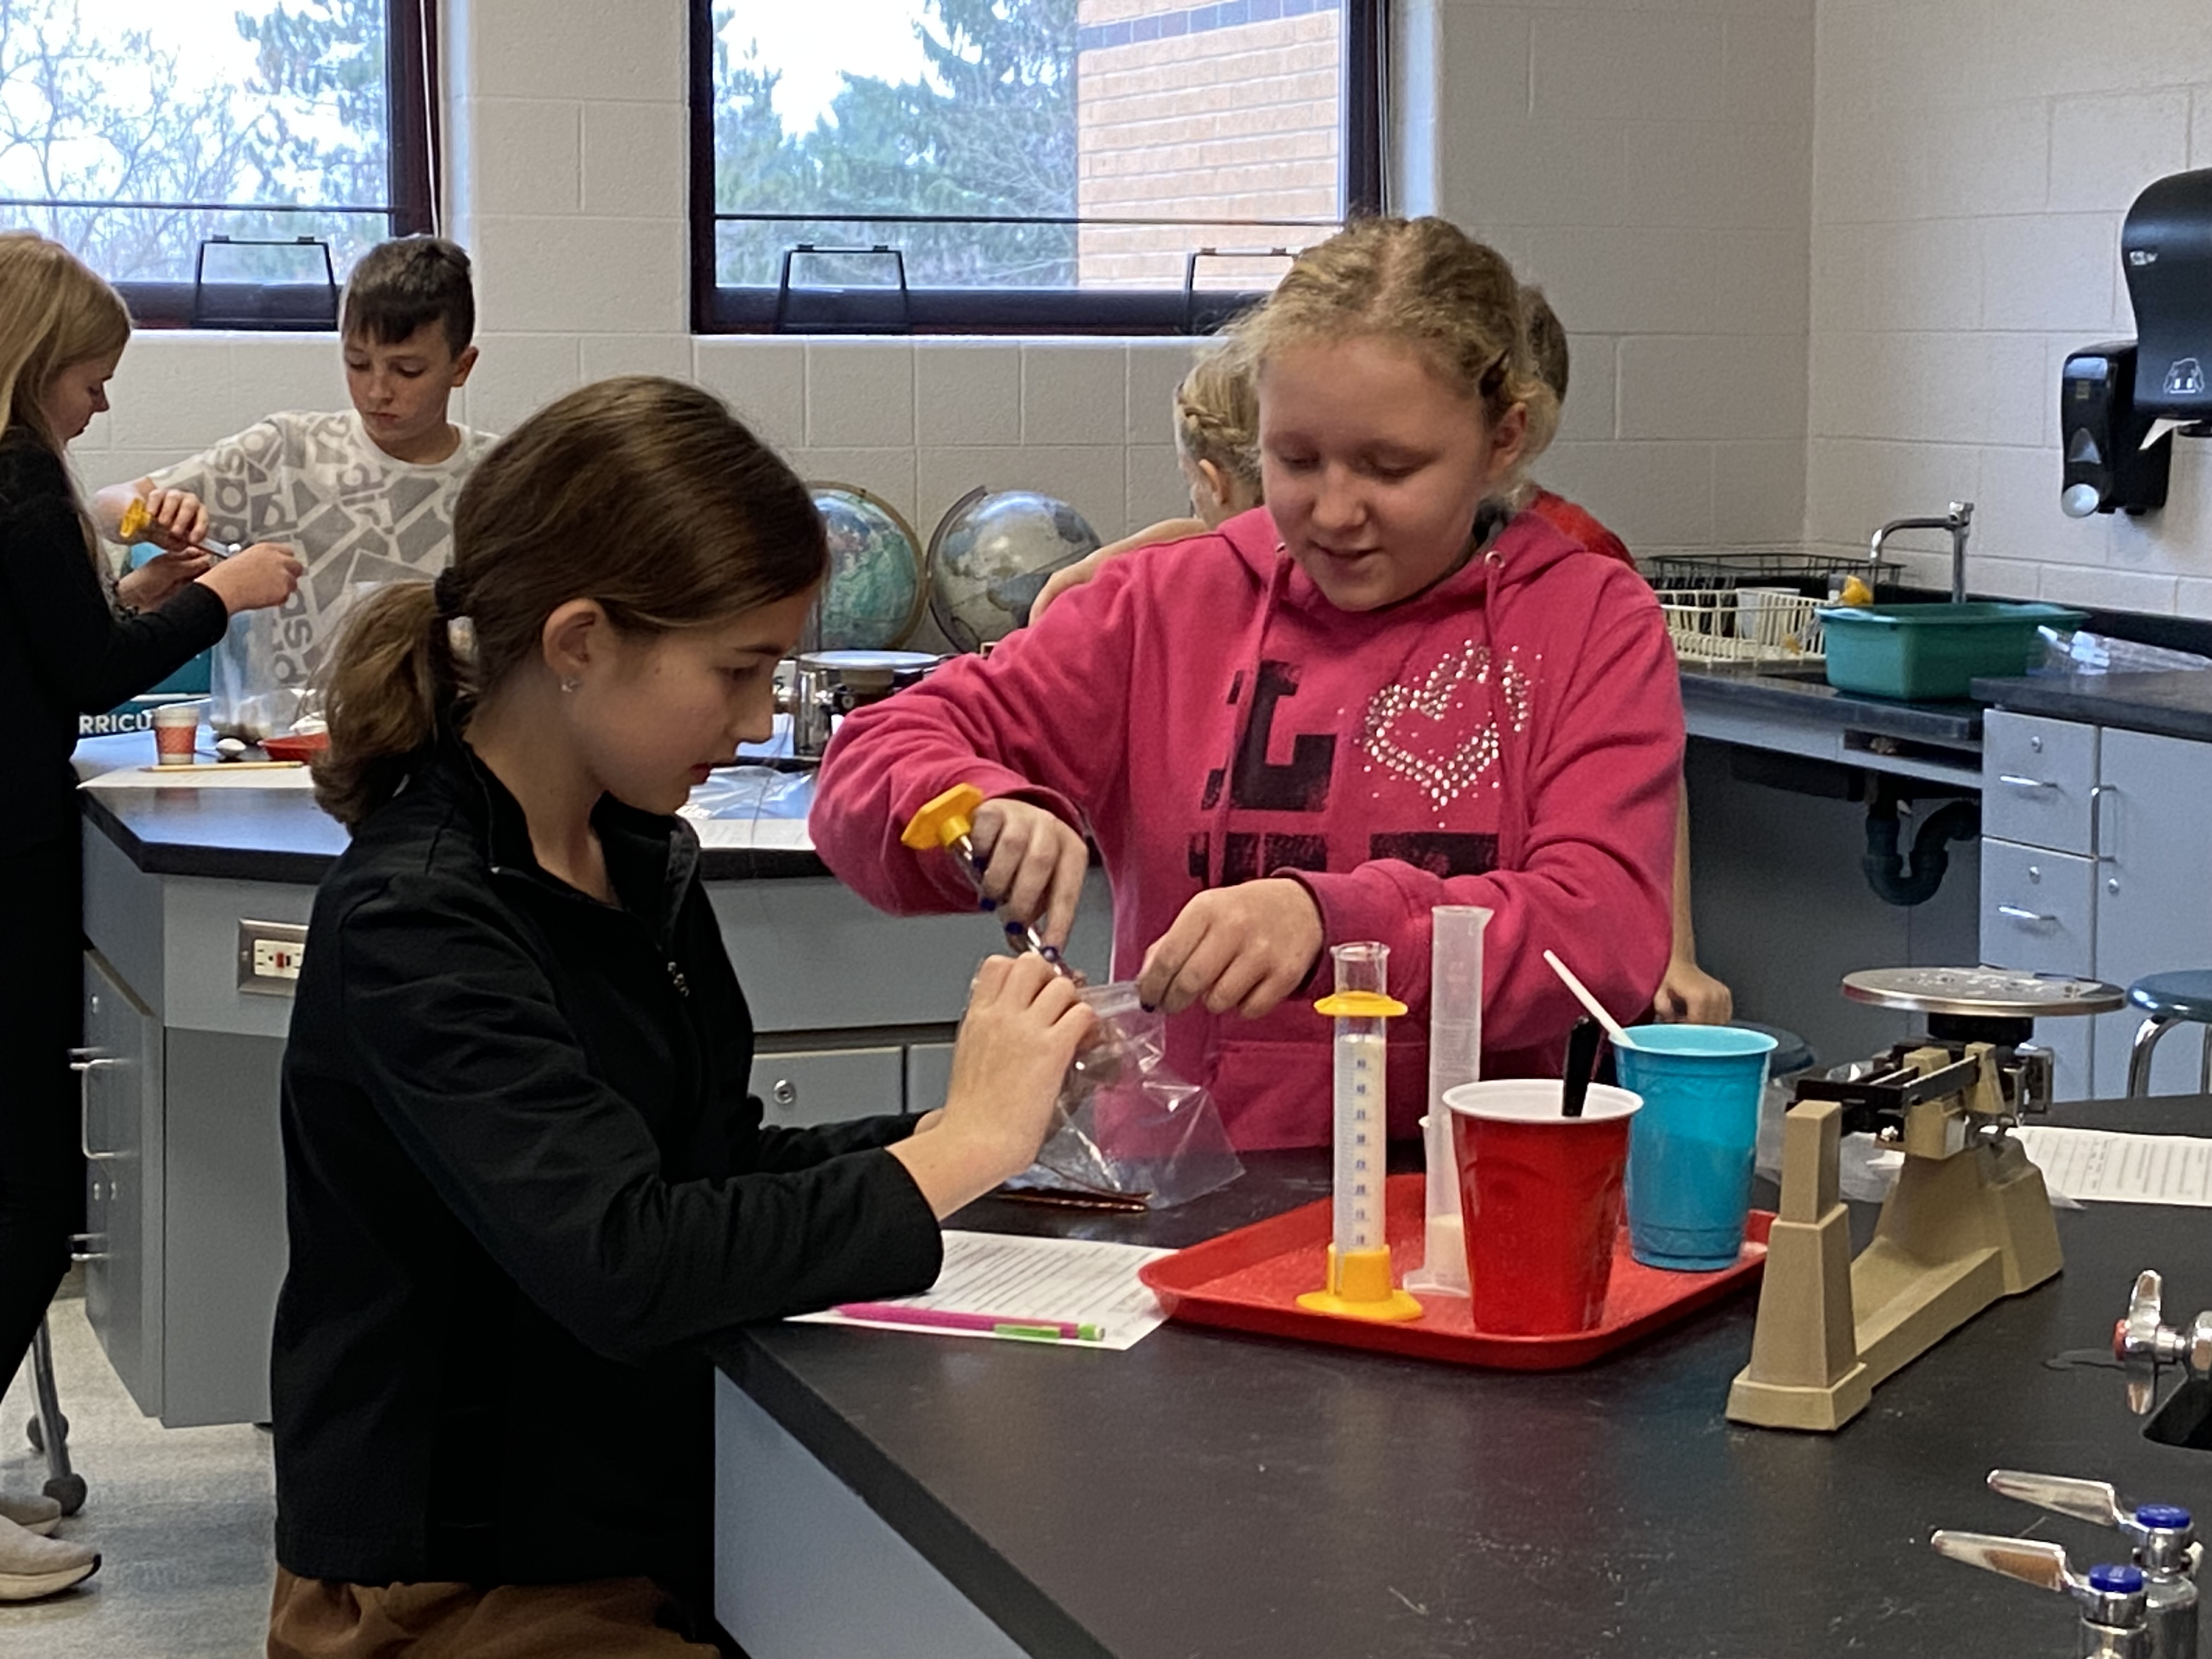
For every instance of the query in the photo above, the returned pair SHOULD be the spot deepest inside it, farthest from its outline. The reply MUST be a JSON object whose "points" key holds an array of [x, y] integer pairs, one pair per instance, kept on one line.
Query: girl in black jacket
{"points": [[525, 1183], [67, 647]]}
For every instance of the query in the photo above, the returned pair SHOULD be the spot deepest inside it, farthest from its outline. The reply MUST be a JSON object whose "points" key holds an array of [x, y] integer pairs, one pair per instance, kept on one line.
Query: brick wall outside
{"points": [[1208, 113]]}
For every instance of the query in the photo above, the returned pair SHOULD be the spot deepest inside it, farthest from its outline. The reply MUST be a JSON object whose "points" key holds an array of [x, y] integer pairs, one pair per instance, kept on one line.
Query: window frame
{"points": [[410, 82], [716, 309]]}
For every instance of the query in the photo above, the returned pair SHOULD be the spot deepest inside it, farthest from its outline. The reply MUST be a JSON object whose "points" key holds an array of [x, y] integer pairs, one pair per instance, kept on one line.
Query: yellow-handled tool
{"points": [[137, 520], [949, 821]]}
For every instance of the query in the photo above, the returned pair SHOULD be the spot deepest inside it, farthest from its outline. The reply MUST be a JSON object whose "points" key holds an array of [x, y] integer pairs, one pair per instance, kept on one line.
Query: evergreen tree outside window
{"points": [[133, 132], [1036, 164]]}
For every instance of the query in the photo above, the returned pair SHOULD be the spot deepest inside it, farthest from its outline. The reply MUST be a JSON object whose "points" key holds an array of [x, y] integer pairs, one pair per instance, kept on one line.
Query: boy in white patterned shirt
{"points": [[361, 495]]}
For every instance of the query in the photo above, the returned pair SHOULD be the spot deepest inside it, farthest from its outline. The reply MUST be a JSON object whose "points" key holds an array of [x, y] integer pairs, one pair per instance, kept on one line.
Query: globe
{"points": [[874, 594], [992, 553]]}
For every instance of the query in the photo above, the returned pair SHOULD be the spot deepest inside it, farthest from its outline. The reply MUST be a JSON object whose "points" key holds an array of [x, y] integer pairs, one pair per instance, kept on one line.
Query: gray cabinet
{"points": [[2154, 895], [928, 1074], [119, 1084], [803, 1087], [2038, 781], [2094, 861]]}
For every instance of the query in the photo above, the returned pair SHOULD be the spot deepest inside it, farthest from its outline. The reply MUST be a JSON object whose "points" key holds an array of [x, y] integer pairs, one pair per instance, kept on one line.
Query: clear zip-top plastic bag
{"points": [[1129, 1127]]}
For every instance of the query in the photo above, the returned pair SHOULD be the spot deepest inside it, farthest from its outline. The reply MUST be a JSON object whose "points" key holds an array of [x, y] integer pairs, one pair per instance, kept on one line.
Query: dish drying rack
{"points": [[1751, 607], [1711, 625]]}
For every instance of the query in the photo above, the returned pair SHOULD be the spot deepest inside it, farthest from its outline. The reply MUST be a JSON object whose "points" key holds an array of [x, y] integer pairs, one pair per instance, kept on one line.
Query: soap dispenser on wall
{"points": [[2102, 431]]}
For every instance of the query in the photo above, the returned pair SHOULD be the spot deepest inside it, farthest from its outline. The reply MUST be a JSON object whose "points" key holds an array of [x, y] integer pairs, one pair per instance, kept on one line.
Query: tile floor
{"points": [[181, 1517]]}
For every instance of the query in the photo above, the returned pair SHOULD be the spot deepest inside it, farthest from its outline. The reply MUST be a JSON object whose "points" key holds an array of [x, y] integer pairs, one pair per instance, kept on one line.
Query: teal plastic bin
{"points": [[1932, 652]]}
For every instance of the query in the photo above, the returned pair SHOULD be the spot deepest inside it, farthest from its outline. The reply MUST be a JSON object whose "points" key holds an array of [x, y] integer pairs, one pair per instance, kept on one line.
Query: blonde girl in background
{"points": [[1216, 439], [1326, 718], [525, 1183], [1687, 995], [70, 644]]}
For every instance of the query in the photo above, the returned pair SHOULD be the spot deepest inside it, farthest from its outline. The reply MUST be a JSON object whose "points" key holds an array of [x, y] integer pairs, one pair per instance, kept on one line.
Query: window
{"points": [[138, 131], [1034, 164]]}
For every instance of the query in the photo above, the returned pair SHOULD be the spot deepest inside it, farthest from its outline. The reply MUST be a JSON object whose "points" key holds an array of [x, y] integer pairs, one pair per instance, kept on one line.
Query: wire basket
{"points": [[1733, 566], [1749, 626]]}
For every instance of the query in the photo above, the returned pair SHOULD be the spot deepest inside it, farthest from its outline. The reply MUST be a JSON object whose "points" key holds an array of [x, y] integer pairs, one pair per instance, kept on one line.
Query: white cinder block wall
{"points": [[1648, 163], [1973, 161]]}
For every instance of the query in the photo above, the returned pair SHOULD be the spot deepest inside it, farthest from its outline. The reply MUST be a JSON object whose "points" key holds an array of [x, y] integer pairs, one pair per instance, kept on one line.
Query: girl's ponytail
{"points": [[390, 675]]}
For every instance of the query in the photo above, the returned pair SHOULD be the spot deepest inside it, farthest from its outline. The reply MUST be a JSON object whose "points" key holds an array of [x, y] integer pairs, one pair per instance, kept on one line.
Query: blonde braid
{"points": [[1426, 282]]}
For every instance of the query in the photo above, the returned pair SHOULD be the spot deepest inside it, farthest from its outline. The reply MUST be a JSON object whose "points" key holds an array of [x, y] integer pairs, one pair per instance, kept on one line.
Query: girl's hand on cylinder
{"points": [[1019, 1036], [176, 518], [256, 577], [1033, 866], [1245, 947], [154, 582]]}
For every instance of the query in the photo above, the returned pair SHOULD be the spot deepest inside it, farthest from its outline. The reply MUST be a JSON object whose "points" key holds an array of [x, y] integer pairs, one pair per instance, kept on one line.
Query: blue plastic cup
{"points": [[1690, 1148]]}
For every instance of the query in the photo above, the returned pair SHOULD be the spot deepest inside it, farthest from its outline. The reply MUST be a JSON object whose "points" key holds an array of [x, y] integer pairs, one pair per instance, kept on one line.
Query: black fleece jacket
{"points": [[64, 650], [525, 1185]]}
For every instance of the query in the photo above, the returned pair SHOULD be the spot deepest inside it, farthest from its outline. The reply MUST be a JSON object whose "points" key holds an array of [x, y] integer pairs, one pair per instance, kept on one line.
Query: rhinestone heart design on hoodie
{"points": [[1421, 732]]}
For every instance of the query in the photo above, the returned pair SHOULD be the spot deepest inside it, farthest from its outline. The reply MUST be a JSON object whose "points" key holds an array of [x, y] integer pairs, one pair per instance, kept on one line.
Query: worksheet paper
{"points": [[2093, 1164], [1083, 1281]]}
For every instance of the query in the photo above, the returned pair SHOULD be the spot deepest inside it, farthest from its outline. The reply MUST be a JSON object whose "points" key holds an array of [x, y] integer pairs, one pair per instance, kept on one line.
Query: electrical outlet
{"points": [[268, 956]]}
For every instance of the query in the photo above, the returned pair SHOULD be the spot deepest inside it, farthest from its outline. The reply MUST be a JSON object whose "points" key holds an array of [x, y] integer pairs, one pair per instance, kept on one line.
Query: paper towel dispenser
{"points": [[2165, 248], [2112, 397]]}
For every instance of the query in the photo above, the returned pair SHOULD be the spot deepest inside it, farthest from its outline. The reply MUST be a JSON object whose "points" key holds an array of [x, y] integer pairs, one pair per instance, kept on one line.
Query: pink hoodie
{"points": [[1511, 737]]}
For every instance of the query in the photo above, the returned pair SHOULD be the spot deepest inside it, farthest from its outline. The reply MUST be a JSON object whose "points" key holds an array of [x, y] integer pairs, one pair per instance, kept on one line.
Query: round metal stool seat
{"points": [[2182, 996]]}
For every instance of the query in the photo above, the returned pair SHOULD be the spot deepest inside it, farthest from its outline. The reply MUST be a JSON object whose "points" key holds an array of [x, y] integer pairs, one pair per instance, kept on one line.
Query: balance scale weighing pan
{"points": [[1981, 1004], [1982, 993]]}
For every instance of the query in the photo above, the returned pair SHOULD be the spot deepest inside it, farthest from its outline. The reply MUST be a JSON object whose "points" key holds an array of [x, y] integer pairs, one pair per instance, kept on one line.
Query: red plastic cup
{"points": [[1542, 1198]]}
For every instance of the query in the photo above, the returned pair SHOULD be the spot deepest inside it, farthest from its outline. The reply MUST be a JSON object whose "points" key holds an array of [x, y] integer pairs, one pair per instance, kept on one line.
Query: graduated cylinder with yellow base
{"points": [[1968, 1222]]}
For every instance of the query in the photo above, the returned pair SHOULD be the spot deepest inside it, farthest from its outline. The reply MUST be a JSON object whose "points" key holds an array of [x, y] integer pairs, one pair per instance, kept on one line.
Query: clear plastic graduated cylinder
{"points": [[1361, 1055], [1454, 1057], [1360, 1284]]}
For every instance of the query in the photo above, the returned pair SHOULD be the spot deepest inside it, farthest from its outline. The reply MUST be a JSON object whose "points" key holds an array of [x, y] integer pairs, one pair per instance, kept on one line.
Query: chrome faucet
{"points": [[1960, 516]]}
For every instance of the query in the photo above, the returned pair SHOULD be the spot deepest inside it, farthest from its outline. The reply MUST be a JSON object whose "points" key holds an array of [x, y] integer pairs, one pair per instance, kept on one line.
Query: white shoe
{"points": [[36, 1515], [32, 1566]]}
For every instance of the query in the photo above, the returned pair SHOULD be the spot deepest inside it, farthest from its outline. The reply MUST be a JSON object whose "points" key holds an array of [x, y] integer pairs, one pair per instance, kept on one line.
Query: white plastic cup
{"points": [[176, 731]]}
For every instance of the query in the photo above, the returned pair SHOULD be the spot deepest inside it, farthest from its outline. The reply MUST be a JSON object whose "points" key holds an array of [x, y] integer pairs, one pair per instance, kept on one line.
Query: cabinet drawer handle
{"points": [[785, 1093], [77, 1241], [2019, 783], [84, 1069], [2019, 914]]}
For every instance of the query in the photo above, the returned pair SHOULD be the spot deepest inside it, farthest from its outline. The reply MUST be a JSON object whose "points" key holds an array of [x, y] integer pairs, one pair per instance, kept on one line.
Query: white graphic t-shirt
{"points": [[318, 484]]}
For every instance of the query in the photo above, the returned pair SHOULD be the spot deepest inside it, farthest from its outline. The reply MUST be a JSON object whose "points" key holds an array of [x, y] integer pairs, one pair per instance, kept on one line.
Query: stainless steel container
{"points": [[826, 686]]}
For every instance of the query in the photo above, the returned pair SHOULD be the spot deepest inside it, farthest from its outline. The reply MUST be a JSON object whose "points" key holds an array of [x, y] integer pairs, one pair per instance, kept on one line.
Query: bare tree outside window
{"points": [[132, 130]]}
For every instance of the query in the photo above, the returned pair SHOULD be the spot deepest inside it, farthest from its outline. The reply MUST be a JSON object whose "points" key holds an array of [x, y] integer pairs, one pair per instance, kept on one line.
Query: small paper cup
{"points": [[176, 730], [1540, 1195]]}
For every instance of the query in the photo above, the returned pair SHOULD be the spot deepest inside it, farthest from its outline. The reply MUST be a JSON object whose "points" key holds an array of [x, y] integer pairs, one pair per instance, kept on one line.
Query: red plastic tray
{"points": [[1251, 1281]]}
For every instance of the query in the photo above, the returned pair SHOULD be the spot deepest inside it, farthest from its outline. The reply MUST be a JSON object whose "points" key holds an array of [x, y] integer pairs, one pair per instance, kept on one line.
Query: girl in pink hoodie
{"points": [[1349, 712]]}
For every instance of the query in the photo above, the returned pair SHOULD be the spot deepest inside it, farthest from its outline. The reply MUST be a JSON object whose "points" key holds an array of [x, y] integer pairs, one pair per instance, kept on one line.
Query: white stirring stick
{"points": [[1612, 1027]]}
